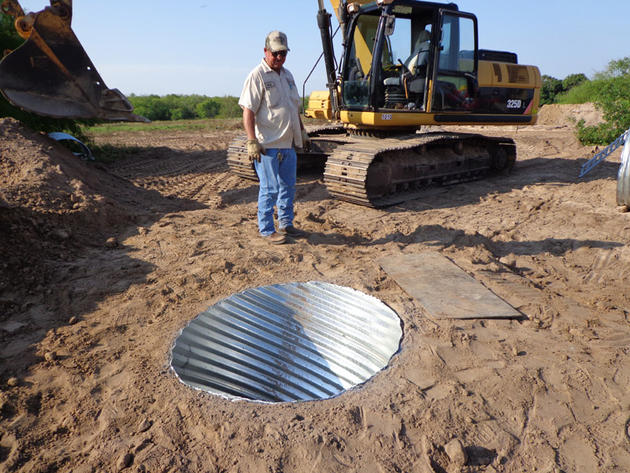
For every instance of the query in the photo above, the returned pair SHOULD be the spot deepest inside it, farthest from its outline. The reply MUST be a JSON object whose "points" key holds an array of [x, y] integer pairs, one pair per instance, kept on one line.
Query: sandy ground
{"points": [[102, 265]]}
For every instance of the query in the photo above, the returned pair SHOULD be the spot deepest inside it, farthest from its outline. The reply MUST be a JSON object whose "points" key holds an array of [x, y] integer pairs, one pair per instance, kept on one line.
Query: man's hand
{"points": [[254, 149], [306, 141]]}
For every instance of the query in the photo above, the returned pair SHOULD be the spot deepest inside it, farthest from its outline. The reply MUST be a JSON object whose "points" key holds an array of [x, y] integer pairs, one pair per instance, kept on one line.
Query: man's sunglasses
{"points": [[279, 53]]}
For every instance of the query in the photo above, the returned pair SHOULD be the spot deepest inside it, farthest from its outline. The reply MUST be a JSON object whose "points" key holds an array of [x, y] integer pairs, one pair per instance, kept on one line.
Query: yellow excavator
{"points": [[405, 65]]}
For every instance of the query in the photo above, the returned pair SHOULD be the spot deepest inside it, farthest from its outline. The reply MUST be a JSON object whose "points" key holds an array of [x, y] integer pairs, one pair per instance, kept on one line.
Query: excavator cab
{"points": [[396, 59], [50, 74], [408, 63], [387, 63]]}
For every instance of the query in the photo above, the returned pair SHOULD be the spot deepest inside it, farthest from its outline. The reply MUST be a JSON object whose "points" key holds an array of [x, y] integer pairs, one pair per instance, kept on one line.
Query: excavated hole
{"points": [[287, 342]]}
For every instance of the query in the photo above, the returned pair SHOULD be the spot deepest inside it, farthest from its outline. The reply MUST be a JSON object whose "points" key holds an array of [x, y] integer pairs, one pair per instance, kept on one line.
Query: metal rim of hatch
{"points": [[287, 343]]}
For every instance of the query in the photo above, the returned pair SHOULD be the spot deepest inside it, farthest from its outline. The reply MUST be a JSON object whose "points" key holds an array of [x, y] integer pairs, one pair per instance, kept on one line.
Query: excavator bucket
{"points": [[50, 74]]}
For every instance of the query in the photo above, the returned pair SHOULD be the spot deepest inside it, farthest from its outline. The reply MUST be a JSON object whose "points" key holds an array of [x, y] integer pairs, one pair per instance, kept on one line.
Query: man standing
{"points": [[270, 103]]}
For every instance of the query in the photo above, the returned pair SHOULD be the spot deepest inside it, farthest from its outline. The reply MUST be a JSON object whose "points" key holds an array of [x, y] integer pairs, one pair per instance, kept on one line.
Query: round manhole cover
{"points": [[287, 342]]}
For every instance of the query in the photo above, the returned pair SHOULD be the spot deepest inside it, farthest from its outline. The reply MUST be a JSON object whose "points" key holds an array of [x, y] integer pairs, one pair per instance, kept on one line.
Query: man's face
{"points": [[275, 60]]}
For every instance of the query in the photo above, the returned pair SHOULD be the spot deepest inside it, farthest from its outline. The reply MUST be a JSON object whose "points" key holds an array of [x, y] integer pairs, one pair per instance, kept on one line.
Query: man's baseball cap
{"points": [[276, 41]]}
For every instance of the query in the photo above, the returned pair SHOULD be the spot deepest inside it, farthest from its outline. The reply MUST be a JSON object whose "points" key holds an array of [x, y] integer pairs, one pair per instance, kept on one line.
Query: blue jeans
{"points": [[277, 187]]}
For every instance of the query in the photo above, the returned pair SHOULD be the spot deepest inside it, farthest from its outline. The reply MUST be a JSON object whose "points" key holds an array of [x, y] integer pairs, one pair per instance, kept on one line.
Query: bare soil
{"points": [[102, 265]]}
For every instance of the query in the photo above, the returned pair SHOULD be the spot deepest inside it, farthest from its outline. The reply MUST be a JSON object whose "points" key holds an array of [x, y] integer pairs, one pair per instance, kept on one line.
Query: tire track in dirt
{"points": [[174, 169]]}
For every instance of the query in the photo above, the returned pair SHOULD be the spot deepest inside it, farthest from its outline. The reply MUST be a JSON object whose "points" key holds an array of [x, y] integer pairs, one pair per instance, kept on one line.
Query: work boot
{"points": [[292, 231], [275, 238]]}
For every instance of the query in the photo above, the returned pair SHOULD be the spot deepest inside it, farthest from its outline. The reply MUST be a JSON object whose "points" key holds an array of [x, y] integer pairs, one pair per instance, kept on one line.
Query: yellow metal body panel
{"points": [[501, 74], [387, 119], [319, 105], [335, 4], [409, 119], [363, 41]]}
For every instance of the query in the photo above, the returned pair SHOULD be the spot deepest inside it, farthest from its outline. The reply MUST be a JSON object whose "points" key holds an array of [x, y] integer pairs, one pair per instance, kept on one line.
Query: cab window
{"points": [[456, 63], [357, 73]]}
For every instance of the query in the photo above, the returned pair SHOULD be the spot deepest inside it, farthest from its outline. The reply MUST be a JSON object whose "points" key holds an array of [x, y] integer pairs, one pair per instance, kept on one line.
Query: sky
{"points": [[208, 47]]}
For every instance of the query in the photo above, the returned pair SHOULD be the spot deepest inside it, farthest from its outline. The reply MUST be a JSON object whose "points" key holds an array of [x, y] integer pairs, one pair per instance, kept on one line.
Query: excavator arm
{"points": [[341, 9], [50, 74]]}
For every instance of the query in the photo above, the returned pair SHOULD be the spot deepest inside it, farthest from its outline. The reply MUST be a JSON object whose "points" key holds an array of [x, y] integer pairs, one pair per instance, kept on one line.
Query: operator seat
{"points": [[416, 65], [420, 55]]}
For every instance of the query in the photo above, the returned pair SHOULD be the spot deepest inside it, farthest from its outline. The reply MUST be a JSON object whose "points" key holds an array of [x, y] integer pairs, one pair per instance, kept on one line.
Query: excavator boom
{"points": [[338, 5], [50, 74]]}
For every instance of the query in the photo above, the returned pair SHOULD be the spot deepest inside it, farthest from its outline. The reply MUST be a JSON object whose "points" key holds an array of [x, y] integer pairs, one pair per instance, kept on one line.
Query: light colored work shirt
{"points": [[274, 99]]}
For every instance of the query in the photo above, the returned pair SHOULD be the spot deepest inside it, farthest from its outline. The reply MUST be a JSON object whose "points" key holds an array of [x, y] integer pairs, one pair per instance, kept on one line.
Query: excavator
{"points": [[406, 67]]}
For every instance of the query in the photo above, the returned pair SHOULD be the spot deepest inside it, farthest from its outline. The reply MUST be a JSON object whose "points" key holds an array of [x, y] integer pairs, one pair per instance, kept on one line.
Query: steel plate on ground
{"points": [[443, 289], [287, 342]]}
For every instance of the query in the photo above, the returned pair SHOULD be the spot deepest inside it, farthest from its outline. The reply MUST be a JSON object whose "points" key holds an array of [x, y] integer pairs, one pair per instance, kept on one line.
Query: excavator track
{"points": [[239, 162], [378, 172], [383, 172]]}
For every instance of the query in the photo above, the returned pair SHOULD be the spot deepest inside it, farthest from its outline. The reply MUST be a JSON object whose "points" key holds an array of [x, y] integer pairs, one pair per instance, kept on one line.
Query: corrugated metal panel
{"points": [[623, 177], [287, 342]]}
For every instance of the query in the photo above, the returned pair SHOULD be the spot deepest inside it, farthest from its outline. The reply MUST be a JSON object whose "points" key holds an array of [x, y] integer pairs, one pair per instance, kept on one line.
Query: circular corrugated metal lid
{"points": [[287, 342]]}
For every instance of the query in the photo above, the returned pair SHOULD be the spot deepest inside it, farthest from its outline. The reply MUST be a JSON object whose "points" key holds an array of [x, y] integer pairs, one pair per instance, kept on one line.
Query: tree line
{"points": [[185, 107]]}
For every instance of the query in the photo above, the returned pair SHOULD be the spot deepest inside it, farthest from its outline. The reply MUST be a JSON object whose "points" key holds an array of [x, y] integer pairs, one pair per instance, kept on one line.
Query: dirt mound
{"points": [[43, 176], [51, 203], [569, 115]]}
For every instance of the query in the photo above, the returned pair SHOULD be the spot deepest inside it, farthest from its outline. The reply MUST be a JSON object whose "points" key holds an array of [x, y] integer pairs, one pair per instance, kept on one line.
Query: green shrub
{"points": [[616, 68], [555, 90], [184, 107], [612, 97], [182, 113], [585, 92], [230, 107], [150, 106], [602, 134], [551, 87], [573, 80], [209, 108]]}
